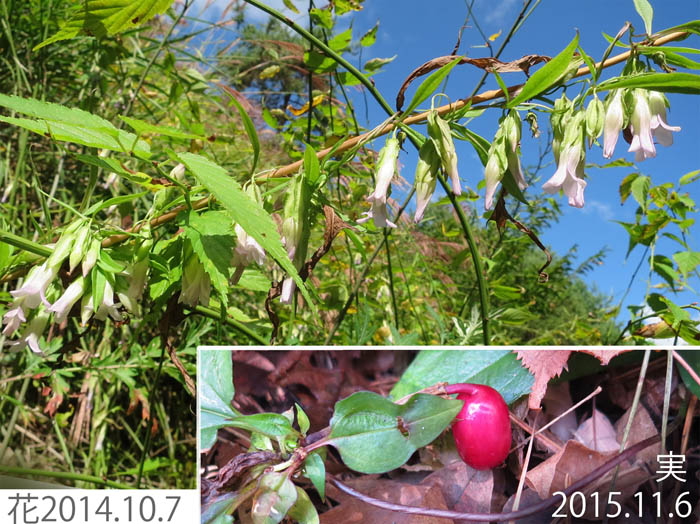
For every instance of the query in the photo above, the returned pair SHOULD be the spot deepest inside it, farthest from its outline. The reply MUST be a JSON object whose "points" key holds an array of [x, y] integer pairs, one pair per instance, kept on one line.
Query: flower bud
{"points": [[425, 177], [178, 173], [196, 283], [595, 119], [80, 247], [63, 247], [93, 252], [439, 131]]}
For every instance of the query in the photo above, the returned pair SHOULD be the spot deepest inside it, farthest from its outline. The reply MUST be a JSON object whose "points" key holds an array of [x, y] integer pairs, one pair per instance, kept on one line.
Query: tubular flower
{"points": [[196, 283], [425, 177], [33, 290], [640, 122], [569, 174], [614, 120], [386, 165], [13, 318], [107, 306], [659, 127], [495, 167], [70, 296], [247, 249], [32, 333], [440, 133]]}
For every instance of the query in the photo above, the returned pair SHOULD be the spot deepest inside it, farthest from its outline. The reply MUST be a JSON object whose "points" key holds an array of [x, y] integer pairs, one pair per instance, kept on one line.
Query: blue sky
{"points": [[417, 31]]}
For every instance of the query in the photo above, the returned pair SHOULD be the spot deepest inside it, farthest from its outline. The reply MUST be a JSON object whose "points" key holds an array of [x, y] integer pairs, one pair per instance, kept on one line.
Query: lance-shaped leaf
{"points": [[374, 435], [687, 83], [72, 125], [547, 75], [107, 17], [499, 369], [245, 211]]}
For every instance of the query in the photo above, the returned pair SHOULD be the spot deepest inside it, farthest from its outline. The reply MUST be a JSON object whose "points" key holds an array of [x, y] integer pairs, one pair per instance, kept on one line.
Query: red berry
{"points": [[482, 428]]}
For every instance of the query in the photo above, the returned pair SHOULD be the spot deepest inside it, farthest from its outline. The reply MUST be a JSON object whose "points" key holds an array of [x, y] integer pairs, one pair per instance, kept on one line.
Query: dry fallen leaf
{"points": [[597, 433], [463, 488], [575, 461], [354, 511], [546, 364]]}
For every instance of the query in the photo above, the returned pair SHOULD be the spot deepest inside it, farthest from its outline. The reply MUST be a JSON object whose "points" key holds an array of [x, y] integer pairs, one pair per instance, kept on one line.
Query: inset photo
{"points": [[338, 435]]}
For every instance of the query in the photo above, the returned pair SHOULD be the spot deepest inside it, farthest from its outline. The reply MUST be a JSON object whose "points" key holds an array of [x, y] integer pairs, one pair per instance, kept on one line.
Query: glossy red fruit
{"points": [[482, 428]]}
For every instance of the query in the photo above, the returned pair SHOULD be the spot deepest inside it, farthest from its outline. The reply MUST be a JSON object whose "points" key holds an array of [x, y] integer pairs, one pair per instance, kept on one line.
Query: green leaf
{"points": [[374, 435], [663, 266], [322, 16], [511, 186], [302, 419], [289, 5], [640, 190], [692, 358], [315, 470], [688, 27], [250, 130], [72, 125], [213, 241], [272, 425], [370, 37], [687, 261], [254, 280], [430, 84], [218, 512], [104, 204], [215, 393], [499, 369], [340, 41], [480, 144], [245, 211], [644, 9], [546, 76], [312, 168], [376, 63], [142, 127], [303, 511], [107, 17], [671, 57], [112, 165], [626, 186], [687, 83], [689, 177], [80, 134]]}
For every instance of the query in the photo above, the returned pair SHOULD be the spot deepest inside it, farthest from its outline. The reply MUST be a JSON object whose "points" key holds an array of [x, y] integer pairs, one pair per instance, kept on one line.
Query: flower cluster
{"points": [[40, 296], [504, 156], [644, 114]]}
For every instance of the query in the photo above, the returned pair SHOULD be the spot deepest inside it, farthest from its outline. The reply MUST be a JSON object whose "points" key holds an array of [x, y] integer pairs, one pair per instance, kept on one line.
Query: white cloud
{"points": [[601, 209], [499, 13]]}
